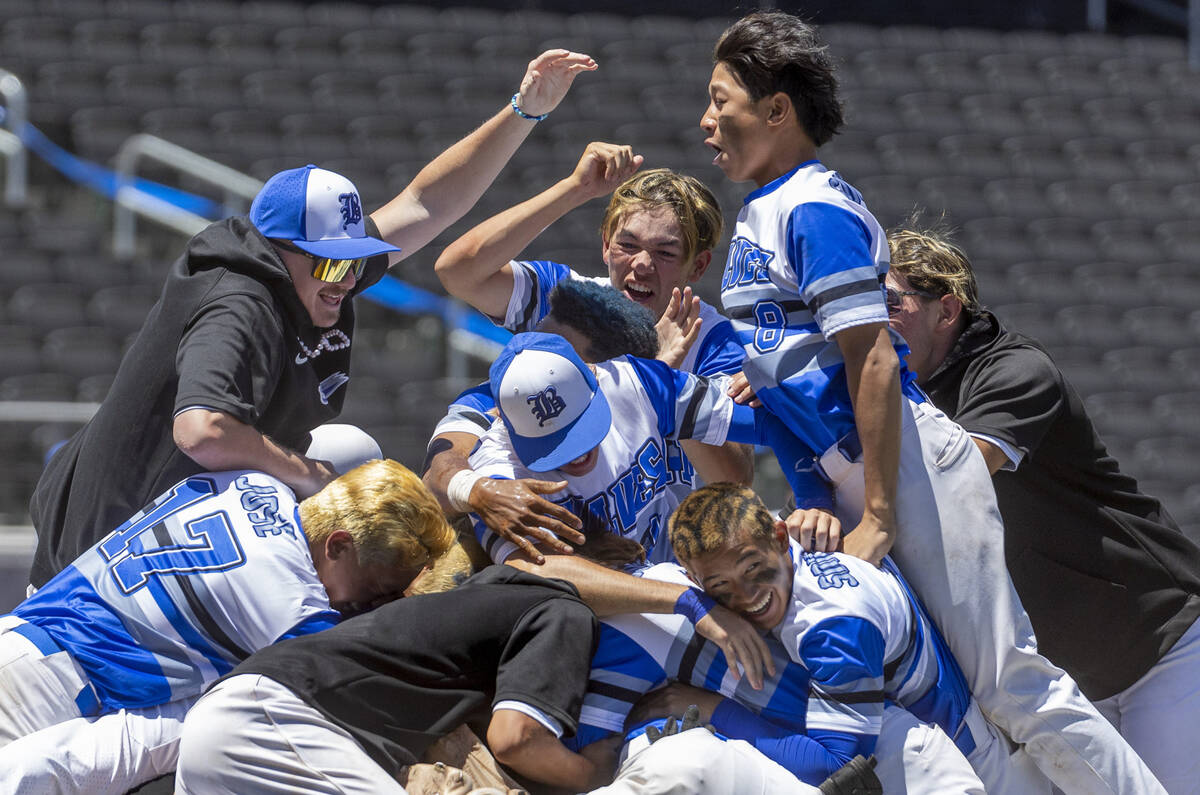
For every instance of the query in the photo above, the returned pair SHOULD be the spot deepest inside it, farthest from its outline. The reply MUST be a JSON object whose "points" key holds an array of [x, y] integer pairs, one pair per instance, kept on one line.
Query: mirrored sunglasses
{"points": [[326, 269]]}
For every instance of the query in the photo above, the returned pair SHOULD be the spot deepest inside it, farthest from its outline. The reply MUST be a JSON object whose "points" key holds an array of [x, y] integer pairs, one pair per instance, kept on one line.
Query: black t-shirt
{"points": [[409, 672], [1108, 579], [228, 333]]}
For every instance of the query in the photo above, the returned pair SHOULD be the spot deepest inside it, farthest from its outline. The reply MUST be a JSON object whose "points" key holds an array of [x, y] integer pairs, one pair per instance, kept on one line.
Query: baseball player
{"points": [[249, 347], [600, 325], [344, 710], [656, 239], [803, 284], [603, 429], [98, 668]]}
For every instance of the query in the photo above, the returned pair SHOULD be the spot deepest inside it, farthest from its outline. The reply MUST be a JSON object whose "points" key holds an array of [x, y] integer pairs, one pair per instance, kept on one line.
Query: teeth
{"points": [[761, 605], [637, 288]]}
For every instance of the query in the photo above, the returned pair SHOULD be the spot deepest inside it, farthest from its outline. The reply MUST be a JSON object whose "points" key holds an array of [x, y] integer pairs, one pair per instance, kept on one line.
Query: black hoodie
{"points": [[228, 333], [1108, 579]]}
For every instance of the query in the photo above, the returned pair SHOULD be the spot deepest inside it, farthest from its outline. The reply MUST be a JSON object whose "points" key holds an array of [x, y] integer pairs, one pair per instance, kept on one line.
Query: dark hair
{"points": [[772, 51], [713, 516], [613, 324]]}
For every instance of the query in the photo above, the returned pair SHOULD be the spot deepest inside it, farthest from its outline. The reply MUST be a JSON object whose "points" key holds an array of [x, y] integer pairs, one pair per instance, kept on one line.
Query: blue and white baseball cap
{"points": [[549, 401], [318, 211]]}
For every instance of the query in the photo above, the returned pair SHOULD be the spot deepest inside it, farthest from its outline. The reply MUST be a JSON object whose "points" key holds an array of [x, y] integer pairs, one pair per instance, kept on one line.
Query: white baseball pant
{"points": [[950, 547], [1158, 715], [250, 734]]}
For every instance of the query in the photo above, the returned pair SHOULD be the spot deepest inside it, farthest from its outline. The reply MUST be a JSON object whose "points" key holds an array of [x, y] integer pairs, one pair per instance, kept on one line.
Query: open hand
{"points": [[514, 509], [547, 79], [679, 327]]}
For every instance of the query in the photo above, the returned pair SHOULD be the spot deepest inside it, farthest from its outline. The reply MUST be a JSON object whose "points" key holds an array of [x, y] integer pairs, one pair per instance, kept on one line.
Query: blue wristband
{"points": [[694, 604], [517, 110]]}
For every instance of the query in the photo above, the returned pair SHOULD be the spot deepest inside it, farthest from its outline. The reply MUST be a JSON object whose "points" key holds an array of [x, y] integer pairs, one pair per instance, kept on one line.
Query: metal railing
{"points": [[13, 116], [131, 202]]}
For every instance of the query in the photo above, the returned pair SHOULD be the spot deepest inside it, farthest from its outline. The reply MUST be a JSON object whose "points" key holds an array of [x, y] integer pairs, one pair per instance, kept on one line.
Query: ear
{"points": [[338, 543], [778, 108], [949, 312], [604, 250], [781, 537], [700, 265]]}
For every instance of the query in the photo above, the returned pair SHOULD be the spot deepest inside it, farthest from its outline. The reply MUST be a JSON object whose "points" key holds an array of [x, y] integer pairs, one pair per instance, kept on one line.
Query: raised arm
{"points": [[475, 267], [450, 185]]}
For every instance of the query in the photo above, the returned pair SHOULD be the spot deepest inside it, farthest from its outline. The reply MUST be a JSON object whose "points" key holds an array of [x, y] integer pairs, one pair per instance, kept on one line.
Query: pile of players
{"points": [[208, 599]]}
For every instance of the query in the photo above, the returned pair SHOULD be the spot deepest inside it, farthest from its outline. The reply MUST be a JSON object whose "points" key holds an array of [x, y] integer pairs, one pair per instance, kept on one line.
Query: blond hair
{"points": [[693, 204], [932, 262], [712, 517], [393, 518], [448, 570]]}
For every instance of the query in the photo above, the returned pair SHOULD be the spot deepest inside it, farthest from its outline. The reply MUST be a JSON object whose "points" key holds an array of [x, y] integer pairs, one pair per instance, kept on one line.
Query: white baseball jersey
{"points": [[716, 352], [629, 491], [174, 598], [861, 632], [807, 260]]}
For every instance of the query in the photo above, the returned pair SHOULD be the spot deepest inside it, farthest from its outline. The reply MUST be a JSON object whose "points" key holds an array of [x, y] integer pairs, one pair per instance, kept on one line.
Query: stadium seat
{"points": [[38, 386], [978, 41], [937, 112], [1141, 368], [1001, 240], [1099, 157], [959, 198], [1172, 283], [975, 154], [1092, 324], [1019, 198], [1179, 413], [1012, 73], [1032, 319], [335, 14], [81, 351], [1164, 160], [20, 350], [1050, 282], [1038, 157], [245, 45], [122, 308], [1130, 241], [1096, 46], [1173, 119], [180, 43], [1122, 413], [144, 86], [1082, 366], [1074, 75], [1067, 239], [108, 41], [952, 71], [1085, 199], [994, 114], [46, 306], [310, 49], [1164, 326], [1051, 115]]}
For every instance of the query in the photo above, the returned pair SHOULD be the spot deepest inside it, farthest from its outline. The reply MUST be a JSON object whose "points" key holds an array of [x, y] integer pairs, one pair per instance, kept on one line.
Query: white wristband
{"points": [[458, 490]]}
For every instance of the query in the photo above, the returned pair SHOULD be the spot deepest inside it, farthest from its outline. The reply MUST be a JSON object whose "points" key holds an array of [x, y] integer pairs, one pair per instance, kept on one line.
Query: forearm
{"points": [[731, 462], [470, 264], [447, 457], [606, 592], [875, 392], [217, 441], [548, 761], [449, 186]]}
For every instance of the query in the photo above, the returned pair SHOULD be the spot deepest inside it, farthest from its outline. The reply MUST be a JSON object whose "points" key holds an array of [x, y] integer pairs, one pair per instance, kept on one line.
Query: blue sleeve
{"points": [[830, 248], [317, 622], [543, 275], [477, 397], [796, 460], [810, 757], [662, 385], [720, 352], [844, 656]]}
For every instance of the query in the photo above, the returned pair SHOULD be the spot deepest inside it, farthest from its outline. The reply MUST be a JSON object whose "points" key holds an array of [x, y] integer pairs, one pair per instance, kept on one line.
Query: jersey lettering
{"points": [[747, 264], [829, 571], [768, 332], [262, 509]]}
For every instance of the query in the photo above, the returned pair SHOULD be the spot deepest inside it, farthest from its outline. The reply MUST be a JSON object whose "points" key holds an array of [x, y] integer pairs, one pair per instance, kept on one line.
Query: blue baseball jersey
{"points": [[863, 636], [190, 586], [806, 261], [716, 352], [853, 637], [640, 473]]}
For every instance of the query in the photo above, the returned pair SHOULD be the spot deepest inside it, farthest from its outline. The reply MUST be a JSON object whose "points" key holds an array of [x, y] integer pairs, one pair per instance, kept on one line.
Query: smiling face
{"points": [[323, 300], [751, 576], [646, 257], [737, 129]]}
